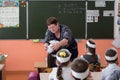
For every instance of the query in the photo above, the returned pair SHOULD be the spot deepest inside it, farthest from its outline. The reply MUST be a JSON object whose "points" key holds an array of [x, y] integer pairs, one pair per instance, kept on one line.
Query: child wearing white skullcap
{"points": [[80, 69], [111, 56], [91, 56], [62, 72]]}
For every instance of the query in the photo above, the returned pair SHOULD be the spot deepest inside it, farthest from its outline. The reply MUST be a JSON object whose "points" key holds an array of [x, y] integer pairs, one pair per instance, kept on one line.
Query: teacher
{"points": [[60, 36]]}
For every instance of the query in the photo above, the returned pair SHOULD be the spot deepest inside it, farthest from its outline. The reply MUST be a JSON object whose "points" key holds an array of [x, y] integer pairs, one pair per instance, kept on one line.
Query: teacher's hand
{"points": [[56, 46], [46, 46]]}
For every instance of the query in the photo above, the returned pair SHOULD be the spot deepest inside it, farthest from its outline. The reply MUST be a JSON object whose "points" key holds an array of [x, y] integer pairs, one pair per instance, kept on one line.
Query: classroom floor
{"points": [[17, 75]]}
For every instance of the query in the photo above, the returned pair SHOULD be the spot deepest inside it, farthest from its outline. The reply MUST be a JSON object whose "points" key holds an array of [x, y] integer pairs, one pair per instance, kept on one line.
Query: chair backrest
{"points": [[96, 75], [41, 68], [33, 76], [44, 76], [43, 71]]}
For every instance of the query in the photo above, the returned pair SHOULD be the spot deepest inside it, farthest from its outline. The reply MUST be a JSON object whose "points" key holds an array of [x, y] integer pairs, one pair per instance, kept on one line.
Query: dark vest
{"points": [[94, 64]]}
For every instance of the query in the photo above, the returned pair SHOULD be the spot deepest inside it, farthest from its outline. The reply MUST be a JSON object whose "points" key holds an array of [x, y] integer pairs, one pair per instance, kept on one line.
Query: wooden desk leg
{"points": [[38, 74], [0, 75], [4, 74]]}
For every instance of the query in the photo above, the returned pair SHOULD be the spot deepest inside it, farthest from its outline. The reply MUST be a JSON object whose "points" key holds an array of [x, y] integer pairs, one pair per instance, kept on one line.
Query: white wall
{"points": [[116, 26]]}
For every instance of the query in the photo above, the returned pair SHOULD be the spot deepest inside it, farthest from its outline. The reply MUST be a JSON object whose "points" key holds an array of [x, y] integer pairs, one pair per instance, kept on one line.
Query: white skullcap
{"points": [[79, 75], [63, 59], [90, 44], [113, 57]]}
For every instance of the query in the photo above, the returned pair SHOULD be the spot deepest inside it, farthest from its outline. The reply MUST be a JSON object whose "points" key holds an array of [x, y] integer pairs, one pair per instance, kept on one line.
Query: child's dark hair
{"points": [[59, 73], [79, 66], [59, 70], [63, 53], [91, 49], [52, 20], [111, 52]]}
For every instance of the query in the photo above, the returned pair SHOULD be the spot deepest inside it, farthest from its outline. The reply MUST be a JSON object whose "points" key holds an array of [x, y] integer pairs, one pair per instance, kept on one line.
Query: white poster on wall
{"points": [[100, 3], [9, 13], [92, 16], [108, 13]]}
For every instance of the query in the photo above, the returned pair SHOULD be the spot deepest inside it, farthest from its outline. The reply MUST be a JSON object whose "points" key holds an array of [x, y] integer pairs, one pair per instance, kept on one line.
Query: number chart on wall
{"points": [[12, 19], [9, 13]]}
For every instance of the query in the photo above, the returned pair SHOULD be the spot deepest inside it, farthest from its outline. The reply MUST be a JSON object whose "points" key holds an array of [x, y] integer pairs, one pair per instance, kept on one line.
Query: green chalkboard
{"points": [[16, 33], [104, 28], [70, 13]]}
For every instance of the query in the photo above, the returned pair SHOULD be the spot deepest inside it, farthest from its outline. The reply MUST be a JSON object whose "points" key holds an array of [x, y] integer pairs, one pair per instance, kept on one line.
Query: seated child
{"points": [[62, 72], [91, 57], [80, 70], [111, 56]]}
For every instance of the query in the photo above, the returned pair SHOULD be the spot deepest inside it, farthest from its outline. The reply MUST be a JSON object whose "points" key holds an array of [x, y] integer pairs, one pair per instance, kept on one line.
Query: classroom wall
{"points": [[116, 19], [23, 53]]}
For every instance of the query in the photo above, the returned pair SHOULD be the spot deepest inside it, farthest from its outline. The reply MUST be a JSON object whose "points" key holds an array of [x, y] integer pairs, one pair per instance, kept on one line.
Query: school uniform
{"points": [[109, 70]]}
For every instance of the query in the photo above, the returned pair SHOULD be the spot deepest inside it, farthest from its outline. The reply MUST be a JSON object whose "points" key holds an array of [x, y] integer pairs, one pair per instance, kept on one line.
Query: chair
{"points": [[41, 68], [33, 76]]}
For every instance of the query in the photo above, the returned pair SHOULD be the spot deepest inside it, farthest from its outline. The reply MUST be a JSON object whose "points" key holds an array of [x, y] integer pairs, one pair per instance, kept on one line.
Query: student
{"points": [[91, 57], [80, 70], [63, 35], [62, 72], [111, 57]]}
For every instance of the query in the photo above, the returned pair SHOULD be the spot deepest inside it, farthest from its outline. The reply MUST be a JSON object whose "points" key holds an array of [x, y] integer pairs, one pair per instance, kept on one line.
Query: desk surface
{"points": [[95, 76], [40, 64], [1, 66]]}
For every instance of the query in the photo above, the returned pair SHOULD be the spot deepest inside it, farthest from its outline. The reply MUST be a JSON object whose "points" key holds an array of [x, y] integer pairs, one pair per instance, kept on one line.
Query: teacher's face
{"points": [[53, 28]]}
